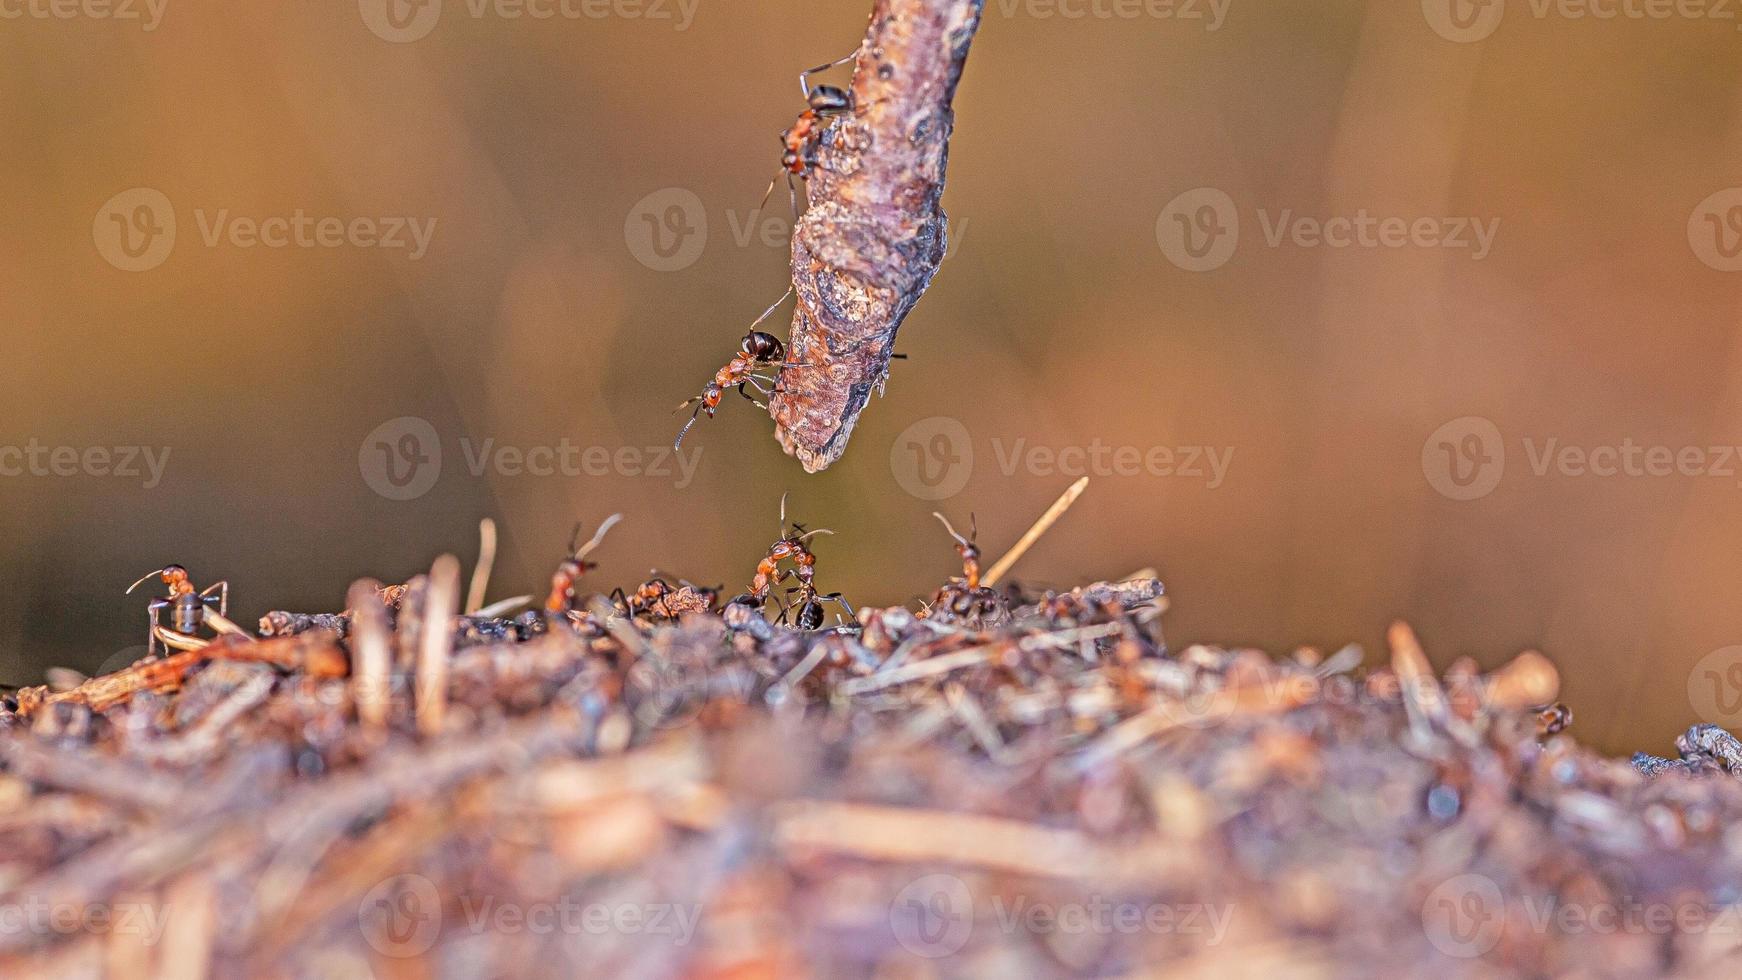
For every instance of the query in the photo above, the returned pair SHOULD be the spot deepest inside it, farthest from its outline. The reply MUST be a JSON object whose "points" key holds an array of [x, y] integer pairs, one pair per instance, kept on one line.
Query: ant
{"points": [[187, 607], [568, 574], [963, 597], [758, 349], [801, 143], [657, 598], [793, 546]]}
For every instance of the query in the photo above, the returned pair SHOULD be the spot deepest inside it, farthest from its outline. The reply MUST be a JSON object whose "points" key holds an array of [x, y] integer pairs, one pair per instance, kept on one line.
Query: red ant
{"points": [[793, 546], [187, 607], [568, 573], [963, 597], [758, 349], [656, 597], [801, 143]]}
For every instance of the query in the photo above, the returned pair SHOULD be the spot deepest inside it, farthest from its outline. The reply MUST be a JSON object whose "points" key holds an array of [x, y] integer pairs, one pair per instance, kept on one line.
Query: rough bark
{"points": [[873, 235]]}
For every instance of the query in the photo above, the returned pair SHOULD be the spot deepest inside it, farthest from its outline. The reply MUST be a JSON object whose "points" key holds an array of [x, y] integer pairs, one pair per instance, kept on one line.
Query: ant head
{"points": [[789, 160], [174, 576], [763, 346], [964, 546], [830, 98]]}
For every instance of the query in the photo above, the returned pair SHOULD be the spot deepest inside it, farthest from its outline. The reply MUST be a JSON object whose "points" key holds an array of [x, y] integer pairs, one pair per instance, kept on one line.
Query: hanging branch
{"points": [[873, 235]]}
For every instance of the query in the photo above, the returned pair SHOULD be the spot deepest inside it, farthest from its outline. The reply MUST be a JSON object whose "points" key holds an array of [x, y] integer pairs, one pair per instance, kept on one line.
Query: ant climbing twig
{"points": [[802, 141]]}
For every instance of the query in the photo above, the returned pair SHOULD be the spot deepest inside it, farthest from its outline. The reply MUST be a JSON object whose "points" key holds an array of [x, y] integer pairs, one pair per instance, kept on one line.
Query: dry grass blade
{"points": [[486, 563], [1040, 527]]}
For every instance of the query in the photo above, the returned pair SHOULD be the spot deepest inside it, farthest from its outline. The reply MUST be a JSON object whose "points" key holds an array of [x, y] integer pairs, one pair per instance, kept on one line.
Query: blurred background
{"points": [[1352, 311]]}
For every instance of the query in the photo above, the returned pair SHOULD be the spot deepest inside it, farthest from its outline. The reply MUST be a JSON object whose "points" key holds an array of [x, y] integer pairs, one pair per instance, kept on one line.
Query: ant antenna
{"points": [[947, 527], [142, 580], [686, 426], [598, 536]]}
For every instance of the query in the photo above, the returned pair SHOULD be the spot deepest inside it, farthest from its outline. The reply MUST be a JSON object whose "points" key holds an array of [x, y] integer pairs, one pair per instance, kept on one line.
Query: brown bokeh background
{"points": [[1057, 319]]}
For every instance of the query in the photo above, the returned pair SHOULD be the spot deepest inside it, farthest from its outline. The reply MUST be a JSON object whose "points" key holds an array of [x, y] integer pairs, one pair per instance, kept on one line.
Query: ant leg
{"points": [[151, 619], [751, 397], [223, 596], [770, 191], [771, 308], [804, 83]]}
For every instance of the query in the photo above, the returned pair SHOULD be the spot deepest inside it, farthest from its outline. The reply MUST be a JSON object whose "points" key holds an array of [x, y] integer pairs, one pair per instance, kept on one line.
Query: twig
{"points": [[481, 571], [873, 236], [371, 649], [1047, 520], [440, 603]]}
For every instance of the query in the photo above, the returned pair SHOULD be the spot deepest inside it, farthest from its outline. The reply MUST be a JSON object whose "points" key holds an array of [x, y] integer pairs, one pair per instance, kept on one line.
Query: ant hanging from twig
{"points": [[801, 142], [187, 607], [963, 597], [568, 574], [758, 349]]}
